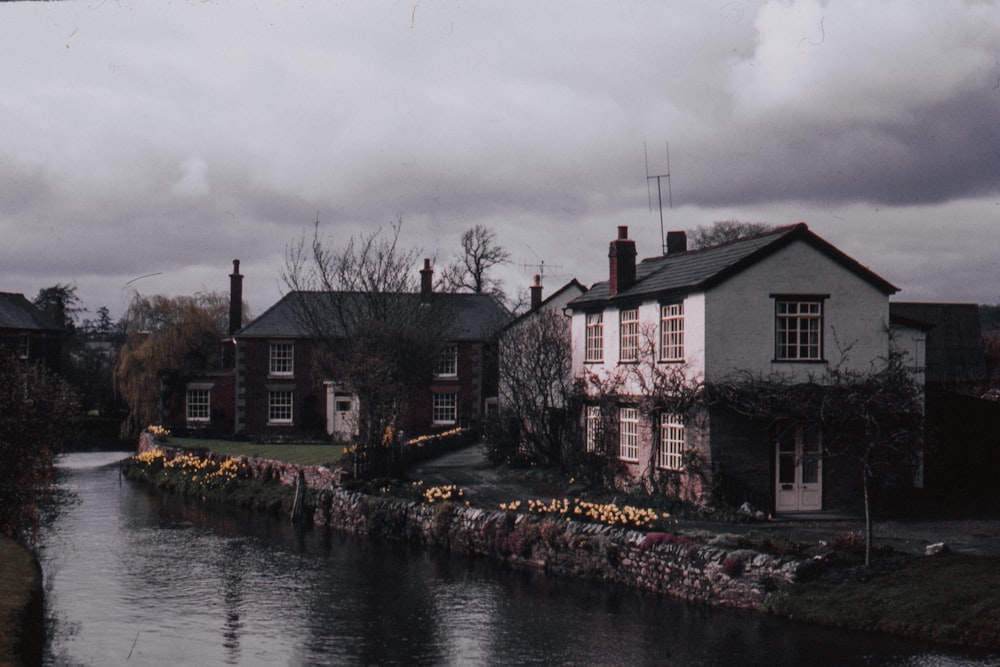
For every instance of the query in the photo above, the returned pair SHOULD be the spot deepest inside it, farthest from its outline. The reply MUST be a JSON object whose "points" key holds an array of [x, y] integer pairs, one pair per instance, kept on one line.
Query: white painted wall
{"points": [[740, 315]]}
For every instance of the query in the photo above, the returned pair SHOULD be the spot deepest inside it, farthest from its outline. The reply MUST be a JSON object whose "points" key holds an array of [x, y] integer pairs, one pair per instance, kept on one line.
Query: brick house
{"points": [[281, 394], [29, 332], [784, 302]]}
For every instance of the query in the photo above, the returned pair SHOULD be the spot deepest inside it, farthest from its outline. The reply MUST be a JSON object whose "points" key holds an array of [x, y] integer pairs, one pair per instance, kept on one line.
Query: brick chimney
{"points": [[536, 292], [621, 260], [426, 282], [677, 242], [235, 298]]}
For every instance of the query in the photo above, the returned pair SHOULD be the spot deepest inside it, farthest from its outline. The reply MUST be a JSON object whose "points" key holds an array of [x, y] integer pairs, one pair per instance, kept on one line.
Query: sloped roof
{"points": [[16, 312], [954, 338], [697, 270], [470, 316], [573, 284]]}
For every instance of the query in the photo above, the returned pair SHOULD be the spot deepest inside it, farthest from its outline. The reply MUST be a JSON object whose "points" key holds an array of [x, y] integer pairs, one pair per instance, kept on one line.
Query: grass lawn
{"points": [[18, 578], [949, 598], [302, 454]]}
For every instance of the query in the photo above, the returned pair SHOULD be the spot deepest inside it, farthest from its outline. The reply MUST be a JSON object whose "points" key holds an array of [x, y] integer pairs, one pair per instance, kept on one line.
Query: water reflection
{"points": [[134, 577]]}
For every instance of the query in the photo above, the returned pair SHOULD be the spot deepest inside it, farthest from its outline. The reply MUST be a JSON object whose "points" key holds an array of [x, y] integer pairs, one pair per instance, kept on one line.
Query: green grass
{"points": [[18, 578], [950, 598], [302, 454]]}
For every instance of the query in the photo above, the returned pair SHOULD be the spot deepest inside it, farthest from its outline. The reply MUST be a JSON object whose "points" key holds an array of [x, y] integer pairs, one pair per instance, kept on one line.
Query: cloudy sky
{"points": [[170, 138]]}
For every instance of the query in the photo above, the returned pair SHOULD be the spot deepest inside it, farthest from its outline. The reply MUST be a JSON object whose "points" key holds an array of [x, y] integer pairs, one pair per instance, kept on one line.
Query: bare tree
{"points": [[871, 420], [379, 337], [535, 385], [724, 231], [470, 271]]}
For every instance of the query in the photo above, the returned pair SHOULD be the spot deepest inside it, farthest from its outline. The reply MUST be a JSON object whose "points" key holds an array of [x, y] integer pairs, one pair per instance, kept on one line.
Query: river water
{"points": [[133, 577]]}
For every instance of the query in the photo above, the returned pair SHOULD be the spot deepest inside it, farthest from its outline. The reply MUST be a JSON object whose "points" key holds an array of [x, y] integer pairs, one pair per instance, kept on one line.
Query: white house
{"points": [[784, 302]]}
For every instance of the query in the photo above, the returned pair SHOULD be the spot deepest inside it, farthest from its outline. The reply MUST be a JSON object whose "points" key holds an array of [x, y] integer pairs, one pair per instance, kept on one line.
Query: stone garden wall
{"points": [[658, 562]]}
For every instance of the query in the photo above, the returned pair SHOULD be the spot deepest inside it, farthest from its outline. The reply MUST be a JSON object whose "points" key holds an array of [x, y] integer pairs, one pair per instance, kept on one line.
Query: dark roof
{"points": [[17, 313], [472, 316], [698, 270], [954, 338]]}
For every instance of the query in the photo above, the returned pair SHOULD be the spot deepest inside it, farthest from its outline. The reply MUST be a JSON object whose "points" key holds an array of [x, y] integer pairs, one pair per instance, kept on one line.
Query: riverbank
{"points": [[755, 568], [22, 624]]}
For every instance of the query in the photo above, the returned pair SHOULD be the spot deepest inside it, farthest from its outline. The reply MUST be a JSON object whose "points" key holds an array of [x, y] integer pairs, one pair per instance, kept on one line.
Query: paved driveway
{"points": [[484, 485]]}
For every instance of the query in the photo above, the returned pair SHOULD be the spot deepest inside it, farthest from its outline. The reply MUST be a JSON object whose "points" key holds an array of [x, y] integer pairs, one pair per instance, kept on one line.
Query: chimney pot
{"points": [[426, 281], [676, 242], [536, 293], [621, 260]]}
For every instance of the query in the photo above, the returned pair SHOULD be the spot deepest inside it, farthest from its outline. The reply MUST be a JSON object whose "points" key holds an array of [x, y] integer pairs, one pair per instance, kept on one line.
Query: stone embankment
{"points": [[657, 562]]}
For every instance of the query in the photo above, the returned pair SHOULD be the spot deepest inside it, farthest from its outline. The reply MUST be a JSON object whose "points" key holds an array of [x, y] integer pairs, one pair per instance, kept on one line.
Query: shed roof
{"points": [[954, 338]]}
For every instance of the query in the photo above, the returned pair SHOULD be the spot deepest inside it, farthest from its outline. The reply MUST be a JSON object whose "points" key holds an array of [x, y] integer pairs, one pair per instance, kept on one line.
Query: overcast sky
{"points": [[170, 138]]}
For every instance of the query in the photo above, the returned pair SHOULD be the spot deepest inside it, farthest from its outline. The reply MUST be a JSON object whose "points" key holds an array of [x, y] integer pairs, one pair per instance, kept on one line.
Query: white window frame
{"points": [[281, 359], [444, 408], [280, 407], [672, 332], [671, 442], [798, 329], [593, 428], [628, 434], [595, 338], [628, 334], [446, 365], [202, 408]]}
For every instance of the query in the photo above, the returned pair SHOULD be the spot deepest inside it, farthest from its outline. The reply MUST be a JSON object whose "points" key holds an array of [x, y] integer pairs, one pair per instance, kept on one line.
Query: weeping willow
{"points": [[162, 333]]}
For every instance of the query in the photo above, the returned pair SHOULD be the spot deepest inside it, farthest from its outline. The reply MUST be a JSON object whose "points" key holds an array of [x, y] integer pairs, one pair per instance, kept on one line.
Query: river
{"points": [[133, 577]]}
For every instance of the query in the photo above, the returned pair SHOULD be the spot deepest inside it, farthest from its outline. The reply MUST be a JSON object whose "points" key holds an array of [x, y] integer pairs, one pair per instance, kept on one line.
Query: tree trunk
{"points": [[869, 529]]}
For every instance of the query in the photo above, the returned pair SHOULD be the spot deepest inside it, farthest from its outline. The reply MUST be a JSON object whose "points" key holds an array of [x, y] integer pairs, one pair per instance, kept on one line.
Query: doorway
{"points": [[799, 470]]}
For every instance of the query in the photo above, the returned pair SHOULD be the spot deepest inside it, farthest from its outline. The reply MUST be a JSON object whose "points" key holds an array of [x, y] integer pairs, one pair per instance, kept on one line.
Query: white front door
{"points": [[799, 466], [341, 414]]}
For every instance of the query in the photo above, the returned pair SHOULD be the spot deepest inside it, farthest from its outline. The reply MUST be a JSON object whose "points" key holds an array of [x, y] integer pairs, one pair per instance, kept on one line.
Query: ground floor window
{"points": [[593, 427], [670, 446], [445, 409], [628, 437], [198, 407], [279, 407]]}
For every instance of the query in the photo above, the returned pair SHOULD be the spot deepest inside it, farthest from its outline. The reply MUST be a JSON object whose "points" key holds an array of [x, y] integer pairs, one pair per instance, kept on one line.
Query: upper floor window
{"points": [[670, 448], [628, 434], [798, 334], [279, 407], [672, 332], [595, 338], [198, 405], [23, 346], [629, 334], [282, 359], [593, 427], [447, 362]]}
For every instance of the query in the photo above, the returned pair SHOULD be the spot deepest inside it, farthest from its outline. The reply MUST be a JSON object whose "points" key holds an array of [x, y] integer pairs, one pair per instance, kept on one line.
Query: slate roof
{"points": [[698, 270], [954, 338], [17, 313], [472, 316]]}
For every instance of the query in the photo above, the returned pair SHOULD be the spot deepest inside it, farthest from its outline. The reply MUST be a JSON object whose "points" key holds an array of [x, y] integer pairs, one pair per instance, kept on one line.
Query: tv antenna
{"points": [[659, 192], [539, 266]]}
